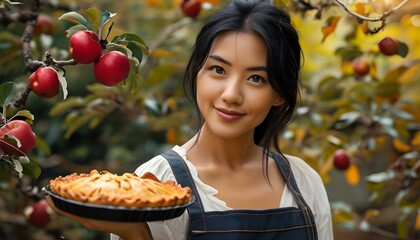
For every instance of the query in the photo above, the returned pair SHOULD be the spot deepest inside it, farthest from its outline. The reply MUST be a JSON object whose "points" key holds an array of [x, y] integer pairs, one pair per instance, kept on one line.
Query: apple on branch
{"points": [[20, 130], [44, 82], [111, 68], [191, 8], [341, 160], [388, 46], [85, 47], [360, 66], [44, 25], [38, 213]]}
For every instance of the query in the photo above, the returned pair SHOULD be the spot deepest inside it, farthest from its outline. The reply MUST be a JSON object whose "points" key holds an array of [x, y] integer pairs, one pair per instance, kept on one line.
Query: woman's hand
{"points": [[125, 230]]}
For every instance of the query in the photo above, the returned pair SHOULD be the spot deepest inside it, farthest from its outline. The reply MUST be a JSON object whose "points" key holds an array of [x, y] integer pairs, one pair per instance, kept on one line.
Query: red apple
{"points": [[360, 66], [341, 160], [38, 213], [388, 46], [85, 47], [191, 8], [20, 130], [112, 68], [44, 25], [44, 82]]}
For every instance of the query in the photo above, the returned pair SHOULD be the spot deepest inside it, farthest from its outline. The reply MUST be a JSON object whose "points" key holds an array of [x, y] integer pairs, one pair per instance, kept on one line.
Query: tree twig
{"points": [[371, 19]]}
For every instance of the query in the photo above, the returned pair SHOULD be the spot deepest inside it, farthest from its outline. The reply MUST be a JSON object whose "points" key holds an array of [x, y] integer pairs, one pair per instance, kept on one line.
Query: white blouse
{"points": [[308, 181]]}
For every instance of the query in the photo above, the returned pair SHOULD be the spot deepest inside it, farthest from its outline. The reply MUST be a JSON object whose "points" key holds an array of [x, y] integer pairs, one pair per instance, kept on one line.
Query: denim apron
{"points": [[289, 223]]}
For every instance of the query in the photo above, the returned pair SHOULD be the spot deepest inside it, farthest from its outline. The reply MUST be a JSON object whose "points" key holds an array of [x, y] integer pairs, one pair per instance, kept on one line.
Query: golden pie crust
{"points": [[129, 190]]}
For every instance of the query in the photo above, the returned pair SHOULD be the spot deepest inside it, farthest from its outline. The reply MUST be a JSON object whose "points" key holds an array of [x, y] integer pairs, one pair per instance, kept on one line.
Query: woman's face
{"points": [[233, 92]]}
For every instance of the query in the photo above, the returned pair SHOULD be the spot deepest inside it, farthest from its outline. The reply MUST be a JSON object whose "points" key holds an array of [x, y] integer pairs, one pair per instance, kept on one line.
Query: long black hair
{"points": [[274, 26]]}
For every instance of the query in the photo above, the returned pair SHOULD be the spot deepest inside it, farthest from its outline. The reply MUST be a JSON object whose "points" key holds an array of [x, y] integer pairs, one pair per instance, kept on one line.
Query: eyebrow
{"points": [[220, 59]]}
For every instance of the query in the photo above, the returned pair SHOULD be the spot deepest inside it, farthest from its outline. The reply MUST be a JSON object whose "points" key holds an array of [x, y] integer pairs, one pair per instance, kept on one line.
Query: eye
{"points": [[217, 69], [256, 79]]}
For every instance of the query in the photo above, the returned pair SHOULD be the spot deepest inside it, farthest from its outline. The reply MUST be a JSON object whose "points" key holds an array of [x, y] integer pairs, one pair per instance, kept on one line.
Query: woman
{"points": [[243, 80]]}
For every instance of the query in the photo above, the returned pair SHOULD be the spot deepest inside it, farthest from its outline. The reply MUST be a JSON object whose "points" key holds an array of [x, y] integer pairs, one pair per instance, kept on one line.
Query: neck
{"points": [[206, 150]]}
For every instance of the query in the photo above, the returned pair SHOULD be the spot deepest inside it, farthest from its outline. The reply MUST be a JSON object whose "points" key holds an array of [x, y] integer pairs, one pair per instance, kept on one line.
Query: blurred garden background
{"points": [[356, 98]]}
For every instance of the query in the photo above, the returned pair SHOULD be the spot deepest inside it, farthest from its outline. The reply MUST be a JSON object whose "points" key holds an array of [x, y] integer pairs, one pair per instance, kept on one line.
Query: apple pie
{"points": [[129, 190]]}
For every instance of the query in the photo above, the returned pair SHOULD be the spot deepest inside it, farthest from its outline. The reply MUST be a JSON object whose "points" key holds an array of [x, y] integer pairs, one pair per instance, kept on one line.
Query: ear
{"points": [[278, 101]]}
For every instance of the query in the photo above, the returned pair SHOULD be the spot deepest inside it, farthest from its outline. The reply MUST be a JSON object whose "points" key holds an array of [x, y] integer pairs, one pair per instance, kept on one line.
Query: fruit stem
{"points": [[109, 30]]}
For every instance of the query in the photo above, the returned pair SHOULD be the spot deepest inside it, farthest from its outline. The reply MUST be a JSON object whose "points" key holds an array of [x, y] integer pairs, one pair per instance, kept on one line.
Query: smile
{"points": [[228, 115]]}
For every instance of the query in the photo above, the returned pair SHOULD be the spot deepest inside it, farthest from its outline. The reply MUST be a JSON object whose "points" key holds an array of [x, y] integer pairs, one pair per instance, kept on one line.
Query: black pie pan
{"points": [[116, 213]]}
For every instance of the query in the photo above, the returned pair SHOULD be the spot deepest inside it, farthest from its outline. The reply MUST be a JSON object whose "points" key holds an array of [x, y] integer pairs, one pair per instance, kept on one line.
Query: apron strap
{"points": [[286, 170], [183, 177]]}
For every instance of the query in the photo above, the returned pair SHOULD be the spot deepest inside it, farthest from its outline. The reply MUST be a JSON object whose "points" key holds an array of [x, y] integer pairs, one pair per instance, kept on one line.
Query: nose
{"points": [[232, 91]]}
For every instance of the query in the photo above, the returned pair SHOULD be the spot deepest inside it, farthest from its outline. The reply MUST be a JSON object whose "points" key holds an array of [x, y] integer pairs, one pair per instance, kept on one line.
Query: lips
{"points": [[228, 115]]}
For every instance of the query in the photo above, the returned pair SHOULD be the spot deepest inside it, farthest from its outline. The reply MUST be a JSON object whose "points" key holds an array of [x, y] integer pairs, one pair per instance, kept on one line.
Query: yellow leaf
{"points": [[417, 225], [329, 27], [325, 169], [380, 141], [153, 3], [359, 8], [416, 139], [352, 175], [159, 52], [347, 68], [401, 146], [172, 136], [371, 213]]}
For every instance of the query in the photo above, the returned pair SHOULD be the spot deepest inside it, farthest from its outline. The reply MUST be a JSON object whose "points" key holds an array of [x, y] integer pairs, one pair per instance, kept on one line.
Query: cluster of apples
{"points": [[110, 68], [85, 48], [388, 46]]}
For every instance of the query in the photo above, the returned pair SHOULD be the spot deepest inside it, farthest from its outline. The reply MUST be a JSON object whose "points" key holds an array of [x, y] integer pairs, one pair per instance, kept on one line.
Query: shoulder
{"points": [[308, 180], [313, 190], [303, 173], [159, 166]]}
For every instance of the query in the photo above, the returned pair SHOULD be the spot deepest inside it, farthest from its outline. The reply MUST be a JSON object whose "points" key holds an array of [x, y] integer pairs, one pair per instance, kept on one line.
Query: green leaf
{"points": [[74, 122], [402, 49], [381, 177], [7, 90], [346, 119], [132, 38], [12, 141], [98, 19], [96, 120], [328, 88], [42, 145], [32, 170], [63, 84], [74, 29], [134, 80], [348, 52], [76, 18], [137, 52], [152, 106], [18, 167], [403, 224], [386, 89], [68, 104], [26, 114], [12, 3], [122, 48]]}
